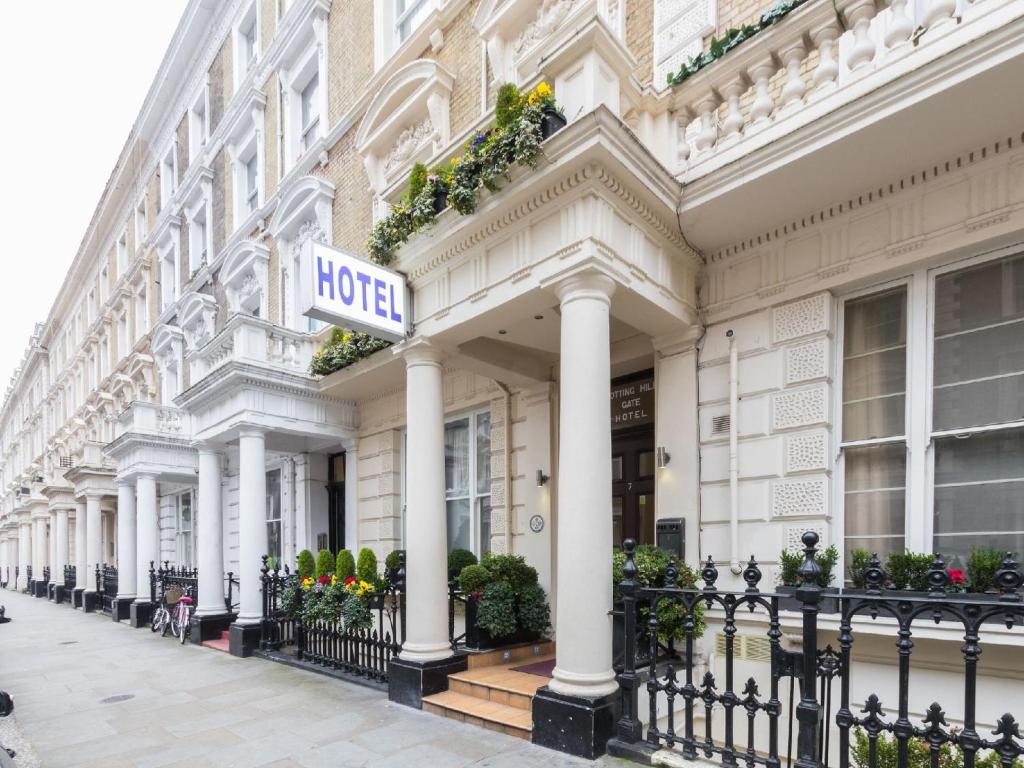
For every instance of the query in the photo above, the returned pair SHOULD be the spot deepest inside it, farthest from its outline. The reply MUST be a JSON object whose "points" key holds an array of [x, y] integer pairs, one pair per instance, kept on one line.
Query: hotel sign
{"points": [[633, 402], [344, 290]]}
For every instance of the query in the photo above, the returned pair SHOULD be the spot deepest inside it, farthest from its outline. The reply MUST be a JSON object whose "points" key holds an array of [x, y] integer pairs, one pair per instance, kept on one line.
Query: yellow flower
{"points": [[543, 89]]}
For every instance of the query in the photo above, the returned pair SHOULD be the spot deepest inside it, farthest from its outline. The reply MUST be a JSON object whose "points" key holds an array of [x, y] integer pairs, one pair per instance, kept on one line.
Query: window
{"points": [[199, 240], [141, 226], [186, 529], [252, 184], [934, 460], [274, 514], [467, 477], [978, 408], [122, 335], [246, 43], [141, 311], [198, 125], [409, 14], [168, 176], [310, 112], [104, 285], [168, 277]]}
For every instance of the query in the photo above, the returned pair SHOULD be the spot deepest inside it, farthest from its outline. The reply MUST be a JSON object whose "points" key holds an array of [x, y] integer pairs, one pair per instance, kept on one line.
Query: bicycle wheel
{"points": [[165, 623], [154, 623], [185, 626]]}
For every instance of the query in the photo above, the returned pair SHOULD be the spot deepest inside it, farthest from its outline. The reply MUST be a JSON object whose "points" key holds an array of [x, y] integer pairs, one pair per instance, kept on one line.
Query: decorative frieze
{"points": [[800, 498], [800, 407], [806, 362], [806, 452], [801, 318]]}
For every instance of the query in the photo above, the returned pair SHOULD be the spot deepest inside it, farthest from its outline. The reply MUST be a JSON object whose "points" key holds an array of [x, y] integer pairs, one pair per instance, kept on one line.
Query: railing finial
{"points": [[1009, 579], [752, 575], [809, 571], [710, 574]]}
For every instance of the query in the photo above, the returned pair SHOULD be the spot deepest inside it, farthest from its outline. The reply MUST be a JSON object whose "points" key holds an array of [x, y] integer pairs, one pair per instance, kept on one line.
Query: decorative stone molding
{"points": [[196, 316], [807, 452], [802, 318], [794, 535], [799, 498], [168, 345], [244, 275], [800, 407], [806, 362], [407, 121]]}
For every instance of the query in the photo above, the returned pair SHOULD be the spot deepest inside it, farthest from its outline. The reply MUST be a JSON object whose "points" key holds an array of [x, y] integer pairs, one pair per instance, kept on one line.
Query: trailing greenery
{"points": [[459, 559], [473, 578], [732, 38], [532, 609], [918, 754], [392, 562], [344, 348], [345, 565], [982, 566], [790, 562], [324, 563], [366, 569], [305, 564], [651, 564], [496, 610]]}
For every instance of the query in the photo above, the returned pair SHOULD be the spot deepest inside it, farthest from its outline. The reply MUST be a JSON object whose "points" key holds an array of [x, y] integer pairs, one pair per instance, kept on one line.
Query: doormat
{"points": [[539, 668]]}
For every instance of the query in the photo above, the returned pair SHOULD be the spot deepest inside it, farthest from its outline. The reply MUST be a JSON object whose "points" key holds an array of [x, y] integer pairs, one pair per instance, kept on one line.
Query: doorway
{"points": [[633, 486], [336, 502]]}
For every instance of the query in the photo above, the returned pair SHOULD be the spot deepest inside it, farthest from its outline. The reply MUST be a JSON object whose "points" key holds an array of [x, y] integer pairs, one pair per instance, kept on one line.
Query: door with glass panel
{"points": [[467, 481], [633, 487], [336, 502]]}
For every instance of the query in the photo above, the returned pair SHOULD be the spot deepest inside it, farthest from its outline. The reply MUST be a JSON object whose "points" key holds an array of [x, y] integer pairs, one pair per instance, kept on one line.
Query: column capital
{"points": [[249, 430], [124, 482], [207, 447], [589, 284], [677, 343], [420, 351]]}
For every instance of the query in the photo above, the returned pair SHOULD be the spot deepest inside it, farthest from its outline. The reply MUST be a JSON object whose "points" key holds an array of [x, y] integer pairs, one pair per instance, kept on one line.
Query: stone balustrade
{"points": [[152, 419], [254, 341], [809, 63]]}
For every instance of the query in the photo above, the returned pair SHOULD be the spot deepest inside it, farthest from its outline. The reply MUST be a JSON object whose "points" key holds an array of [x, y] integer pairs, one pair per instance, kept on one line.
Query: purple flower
{"points": [[480, 139]]}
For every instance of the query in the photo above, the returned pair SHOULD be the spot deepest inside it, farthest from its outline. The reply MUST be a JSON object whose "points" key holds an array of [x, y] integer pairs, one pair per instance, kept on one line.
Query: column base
{"points": [[140, 614], [572, 724], [91, 602], [78, 597], [210, 626], [243, 639], [58, 594], [121, 608], [37, 588], [410, 681], [51, 588]]}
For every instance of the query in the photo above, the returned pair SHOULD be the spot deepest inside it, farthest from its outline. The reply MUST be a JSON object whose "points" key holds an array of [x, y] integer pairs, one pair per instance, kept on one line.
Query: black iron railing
{"points": [[69, 577], [161, 579], [743, 720], [46, 574], [232, 583], [363, 654], [106, 586], [456, 598]]}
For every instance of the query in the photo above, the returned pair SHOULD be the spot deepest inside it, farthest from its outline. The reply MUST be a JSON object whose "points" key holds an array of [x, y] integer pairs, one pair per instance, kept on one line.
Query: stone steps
{"points": [[219, 644]]}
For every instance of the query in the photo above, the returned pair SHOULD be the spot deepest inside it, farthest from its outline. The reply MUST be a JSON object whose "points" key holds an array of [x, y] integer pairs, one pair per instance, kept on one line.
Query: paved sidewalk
{"points": [[196, 707]]}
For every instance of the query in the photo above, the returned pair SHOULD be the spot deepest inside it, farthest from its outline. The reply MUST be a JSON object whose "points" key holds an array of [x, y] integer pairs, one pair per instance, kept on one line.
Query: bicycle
{"points": [[181, 619], [173, 614]]}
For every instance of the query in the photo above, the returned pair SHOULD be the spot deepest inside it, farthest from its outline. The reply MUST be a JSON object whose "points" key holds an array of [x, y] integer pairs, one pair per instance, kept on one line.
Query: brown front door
{"points": [[633, 486]]}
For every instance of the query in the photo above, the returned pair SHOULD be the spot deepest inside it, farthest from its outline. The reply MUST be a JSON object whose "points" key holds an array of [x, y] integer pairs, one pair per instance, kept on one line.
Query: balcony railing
{"points": [[248, 339], [151, 419], [817, 58], [743, 720]]}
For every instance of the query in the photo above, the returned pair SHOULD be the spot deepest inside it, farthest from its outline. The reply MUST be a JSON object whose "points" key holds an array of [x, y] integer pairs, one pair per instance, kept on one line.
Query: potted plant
{"points": [[552, 120], [789, 579], [504, 603]]}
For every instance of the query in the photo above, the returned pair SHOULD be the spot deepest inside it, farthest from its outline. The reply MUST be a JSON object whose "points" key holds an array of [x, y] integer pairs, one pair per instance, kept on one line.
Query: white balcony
{"points": [[250, 340], [163, 421], [820, 109]]}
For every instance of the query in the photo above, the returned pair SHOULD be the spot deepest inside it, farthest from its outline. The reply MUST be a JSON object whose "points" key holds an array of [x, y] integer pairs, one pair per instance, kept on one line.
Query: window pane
{"points": [[645, 517], [979, 493], [274, 539], [875, 365], [274, 494], [875, 497], [617, 521], [979, 345], [485, 524], [645, 464], [456, 458], [616, 468], [483, 453], [458, 524]]}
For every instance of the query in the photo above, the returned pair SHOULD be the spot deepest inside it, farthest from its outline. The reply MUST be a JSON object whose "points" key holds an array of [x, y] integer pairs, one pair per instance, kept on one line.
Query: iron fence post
{"points": [[808, 711], [152, 582], [629, 728]]}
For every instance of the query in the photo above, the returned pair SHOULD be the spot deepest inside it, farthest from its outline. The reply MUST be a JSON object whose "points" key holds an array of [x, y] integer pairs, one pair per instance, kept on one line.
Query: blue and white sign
{"points": [[344, 290]]}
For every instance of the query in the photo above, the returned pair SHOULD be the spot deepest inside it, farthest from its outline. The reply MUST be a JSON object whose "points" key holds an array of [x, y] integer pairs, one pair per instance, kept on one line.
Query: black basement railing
{"points": [[185, 580], [361, 655], [106, 586], [69, 585], [734, 710]]}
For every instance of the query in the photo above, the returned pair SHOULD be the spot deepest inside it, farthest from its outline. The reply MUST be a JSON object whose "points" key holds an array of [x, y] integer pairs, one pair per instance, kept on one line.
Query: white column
{"points": [[38, 546], [61, 537], [24, 552], [127, 540], [147, 533], [81, 561], [56, 572], [583, 665], [252, 527], [426, 522], [301, 506], [352, 499], [94, 544], [210, 536]]}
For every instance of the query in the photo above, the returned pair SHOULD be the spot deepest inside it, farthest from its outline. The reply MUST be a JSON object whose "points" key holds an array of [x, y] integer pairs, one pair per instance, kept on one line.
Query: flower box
{"points": [[479, 639], [552, 121]]}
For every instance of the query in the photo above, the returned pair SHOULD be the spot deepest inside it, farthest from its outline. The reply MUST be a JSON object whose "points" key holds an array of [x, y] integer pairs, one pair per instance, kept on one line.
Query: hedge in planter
{"points": [[504, 603], [651, 564], [305, 564]]}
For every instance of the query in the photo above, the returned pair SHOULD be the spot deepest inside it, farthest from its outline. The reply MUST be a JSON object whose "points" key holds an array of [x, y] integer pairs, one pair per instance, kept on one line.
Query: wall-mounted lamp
{"points": [[661, 457], [542, 479]]}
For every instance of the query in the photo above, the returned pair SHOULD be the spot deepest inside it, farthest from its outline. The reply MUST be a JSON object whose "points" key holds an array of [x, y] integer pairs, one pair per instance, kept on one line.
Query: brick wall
{"points": [[350, 48], [353, 206]]}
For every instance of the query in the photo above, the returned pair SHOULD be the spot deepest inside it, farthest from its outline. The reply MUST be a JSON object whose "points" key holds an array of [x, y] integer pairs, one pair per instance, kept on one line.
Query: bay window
{"points": [[467, 478], [932, 424]]}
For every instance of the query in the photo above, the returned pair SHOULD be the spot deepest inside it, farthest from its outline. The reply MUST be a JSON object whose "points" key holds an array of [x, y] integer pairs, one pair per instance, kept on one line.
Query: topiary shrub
{"points": [[860, 559], [532, 609], [512, 569], [417, 181], [324, 563], [366, 569], [459, 559], [790, 562], [496, 610], [392, 562], [508, 105], [981, 568], [345, 565], [305, 564], [473, 578], [908, 570]]}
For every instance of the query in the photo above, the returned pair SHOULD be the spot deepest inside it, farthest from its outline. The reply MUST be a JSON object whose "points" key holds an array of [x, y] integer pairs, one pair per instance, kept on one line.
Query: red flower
{"points": [[323, 579], [956, 576], [350, 580]]}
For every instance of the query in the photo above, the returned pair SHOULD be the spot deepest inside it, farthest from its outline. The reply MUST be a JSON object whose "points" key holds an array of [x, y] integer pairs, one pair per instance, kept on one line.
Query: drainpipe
{"points": [[734, 462], [508, 464]]}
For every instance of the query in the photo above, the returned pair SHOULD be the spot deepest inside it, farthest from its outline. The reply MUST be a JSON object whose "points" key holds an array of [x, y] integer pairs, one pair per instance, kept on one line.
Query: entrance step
{"points": [[524, 654], [218, 644], [496, 697]]}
